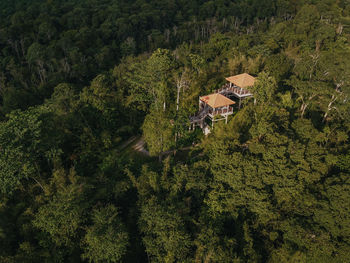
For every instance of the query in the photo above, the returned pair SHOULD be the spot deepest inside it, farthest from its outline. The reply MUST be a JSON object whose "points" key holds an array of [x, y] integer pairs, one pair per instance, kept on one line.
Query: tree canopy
{"points": [[97, 161]]}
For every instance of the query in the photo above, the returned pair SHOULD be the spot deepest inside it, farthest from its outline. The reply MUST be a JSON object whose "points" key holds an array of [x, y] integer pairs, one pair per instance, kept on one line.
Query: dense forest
{"points": [[82, 81]]}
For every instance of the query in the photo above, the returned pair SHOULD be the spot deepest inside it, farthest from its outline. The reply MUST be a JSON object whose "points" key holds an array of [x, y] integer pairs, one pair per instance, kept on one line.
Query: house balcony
{"points": [[238, 92], [220, 111]]}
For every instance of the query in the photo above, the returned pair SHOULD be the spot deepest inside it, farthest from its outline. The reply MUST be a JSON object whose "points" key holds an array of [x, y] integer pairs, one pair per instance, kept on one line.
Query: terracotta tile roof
{"points": [[242, 80], [216, 100]]}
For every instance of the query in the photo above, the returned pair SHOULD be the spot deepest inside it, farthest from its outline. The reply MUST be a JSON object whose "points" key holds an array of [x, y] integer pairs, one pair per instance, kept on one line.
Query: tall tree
{"points": [[106, 240]]}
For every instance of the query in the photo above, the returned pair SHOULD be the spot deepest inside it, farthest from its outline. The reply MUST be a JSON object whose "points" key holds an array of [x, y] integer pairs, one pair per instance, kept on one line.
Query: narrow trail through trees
{"points": [[139, 146]]}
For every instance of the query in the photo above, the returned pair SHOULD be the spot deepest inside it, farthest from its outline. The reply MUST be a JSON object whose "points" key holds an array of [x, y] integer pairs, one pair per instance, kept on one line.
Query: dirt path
{"points": [[127, 143], [139, 146]]}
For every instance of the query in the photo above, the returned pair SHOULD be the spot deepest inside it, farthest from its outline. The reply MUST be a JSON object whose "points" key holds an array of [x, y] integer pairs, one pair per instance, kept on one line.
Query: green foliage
{"points": [[158, 132], [165, 237], [265, 88], [106, 240], [150, 81], [49, 42], [99, 94], [24, 142], [62, 216], [271, 185]]}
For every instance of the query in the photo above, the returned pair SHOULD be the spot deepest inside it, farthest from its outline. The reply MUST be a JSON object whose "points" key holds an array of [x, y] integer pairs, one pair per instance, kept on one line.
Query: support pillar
{"points": [[226, 118], [239, 104]]}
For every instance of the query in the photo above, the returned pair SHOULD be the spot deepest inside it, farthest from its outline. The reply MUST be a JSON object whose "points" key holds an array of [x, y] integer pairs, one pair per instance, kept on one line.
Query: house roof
{"points": [[216, 100], [242, 80]]}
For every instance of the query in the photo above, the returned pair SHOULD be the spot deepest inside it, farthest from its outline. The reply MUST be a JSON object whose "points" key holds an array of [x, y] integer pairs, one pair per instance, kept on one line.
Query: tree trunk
{"points": [[178, 96], [334, 98], [303, 108]]}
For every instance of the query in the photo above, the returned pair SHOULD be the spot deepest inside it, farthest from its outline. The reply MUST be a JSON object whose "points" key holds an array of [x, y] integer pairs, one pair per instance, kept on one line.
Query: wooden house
{"points": [[214, 106], [238, 86], [218, 106]]}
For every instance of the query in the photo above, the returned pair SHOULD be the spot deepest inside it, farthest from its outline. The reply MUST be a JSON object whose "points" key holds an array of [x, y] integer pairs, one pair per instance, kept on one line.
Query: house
{"points": [[238, 86], [214, 106], [218, 106]]}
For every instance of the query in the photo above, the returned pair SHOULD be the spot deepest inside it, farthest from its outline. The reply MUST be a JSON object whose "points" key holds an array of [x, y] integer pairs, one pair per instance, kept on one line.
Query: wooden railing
{"points": [[199, 116], [234, 89], [214, 112]]}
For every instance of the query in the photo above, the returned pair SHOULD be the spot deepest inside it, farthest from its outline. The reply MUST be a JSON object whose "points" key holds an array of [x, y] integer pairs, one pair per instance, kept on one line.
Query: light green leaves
{"points": [[22, 143], [106, 240]]}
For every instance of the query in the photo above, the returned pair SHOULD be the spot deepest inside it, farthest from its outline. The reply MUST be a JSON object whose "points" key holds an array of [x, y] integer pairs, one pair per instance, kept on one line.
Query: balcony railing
{"points": [[236, 90], [240, 91], [214, 112]]}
